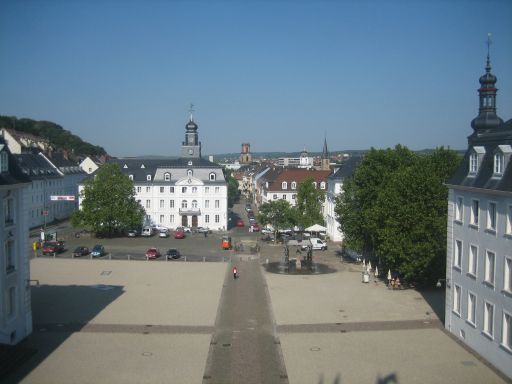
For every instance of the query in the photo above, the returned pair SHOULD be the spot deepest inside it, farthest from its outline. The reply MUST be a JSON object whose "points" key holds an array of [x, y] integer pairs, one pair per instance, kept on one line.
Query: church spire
{"points": [[325, 153], [487, 117]]}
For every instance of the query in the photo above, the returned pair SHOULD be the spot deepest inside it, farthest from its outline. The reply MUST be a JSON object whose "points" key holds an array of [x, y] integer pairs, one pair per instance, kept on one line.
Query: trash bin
{"points": [[366, 277]]}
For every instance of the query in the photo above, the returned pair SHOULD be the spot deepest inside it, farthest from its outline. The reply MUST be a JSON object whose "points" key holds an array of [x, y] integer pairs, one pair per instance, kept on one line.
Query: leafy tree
{"points": [[233, 191], [278, 213], [309, 203], [396, 210], [108, 203]]}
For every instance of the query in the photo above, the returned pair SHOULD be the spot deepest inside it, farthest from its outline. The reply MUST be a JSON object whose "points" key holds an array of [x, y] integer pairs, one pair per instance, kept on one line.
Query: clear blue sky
{"points": [[280, 75]]}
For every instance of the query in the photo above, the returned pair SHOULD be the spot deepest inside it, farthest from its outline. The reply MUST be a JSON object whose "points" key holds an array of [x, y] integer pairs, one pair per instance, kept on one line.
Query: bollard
{"points": [[129, 257], [185, 258], [204, 259]]}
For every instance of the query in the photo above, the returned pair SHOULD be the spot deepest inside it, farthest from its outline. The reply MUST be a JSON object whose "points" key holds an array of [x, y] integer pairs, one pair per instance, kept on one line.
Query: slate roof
{"points": [[14, 174], [347, 168], [66, 166], [140, 168], [485, 178], [36, 167]]}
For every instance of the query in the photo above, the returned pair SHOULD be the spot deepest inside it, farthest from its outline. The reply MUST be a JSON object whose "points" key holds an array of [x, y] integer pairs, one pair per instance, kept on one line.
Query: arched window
{"points": [[284, 185], [167, 176], [148, 177], [322, 185], [194, 204], [212, 176], [294, 185], [189, 173], [314, 184], [130, 177], [184, 204]]}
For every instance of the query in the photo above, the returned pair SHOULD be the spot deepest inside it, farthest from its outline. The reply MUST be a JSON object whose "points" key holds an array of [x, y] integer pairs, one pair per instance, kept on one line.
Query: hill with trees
{"points": [[59, 137]]}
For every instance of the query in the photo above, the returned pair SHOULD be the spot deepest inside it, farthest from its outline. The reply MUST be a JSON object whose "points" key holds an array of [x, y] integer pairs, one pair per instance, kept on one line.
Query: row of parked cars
{"points": [[179, 233]]}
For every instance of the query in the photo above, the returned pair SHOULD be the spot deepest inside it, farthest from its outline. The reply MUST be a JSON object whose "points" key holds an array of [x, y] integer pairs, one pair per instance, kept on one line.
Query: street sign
{"points": [[63, 198]]}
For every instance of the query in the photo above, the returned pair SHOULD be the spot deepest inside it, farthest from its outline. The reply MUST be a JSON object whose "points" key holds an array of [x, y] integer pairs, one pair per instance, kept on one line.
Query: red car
{"points": [[152, 253], [255, 227], [240, 223], [179, 234]]}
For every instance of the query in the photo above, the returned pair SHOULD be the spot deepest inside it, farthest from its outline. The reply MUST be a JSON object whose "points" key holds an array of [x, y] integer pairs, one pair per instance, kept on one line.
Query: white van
{"points": [[147, 232], [315, 243]]}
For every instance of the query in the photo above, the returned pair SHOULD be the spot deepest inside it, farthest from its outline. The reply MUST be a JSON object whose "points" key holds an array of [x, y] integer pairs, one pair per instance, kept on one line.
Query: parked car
{"points": [[50, 247], [186, 229], [173, 253], [203, 230], [98, 250], [267, 231], [159, 228], [315, 243], [147, 232], [163, 233], [179, 234], [132, 233], [248, 207], [81, 251], [153, 253], [252, 220], [240, 223], [255, 227]]}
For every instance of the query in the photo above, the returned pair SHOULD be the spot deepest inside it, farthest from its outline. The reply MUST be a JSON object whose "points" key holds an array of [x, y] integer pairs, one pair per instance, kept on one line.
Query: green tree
{"points": [[108, 203], [394, 208], [233, 191], [278, 213], [309, 203]]}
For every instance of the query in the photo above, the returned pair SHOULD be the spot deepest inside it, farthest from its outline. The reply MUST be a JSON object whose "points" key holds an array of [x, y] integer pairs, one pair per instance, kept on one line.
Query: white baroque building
{"points": [[479, 236], [188, 191], [15, 300]]}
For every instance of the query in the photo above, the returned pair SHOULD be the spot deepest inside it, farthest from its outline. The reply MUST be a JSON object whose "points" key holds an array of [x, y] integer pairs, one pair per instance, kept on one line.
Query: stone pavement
{"points": [[101, 321]]}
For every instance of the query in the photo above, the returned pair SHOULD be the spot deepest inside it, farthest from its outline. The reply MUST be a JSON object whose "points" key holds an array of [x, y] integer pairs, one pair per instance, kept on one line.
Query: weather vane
{"points": [[489, 42], [191, 111]]}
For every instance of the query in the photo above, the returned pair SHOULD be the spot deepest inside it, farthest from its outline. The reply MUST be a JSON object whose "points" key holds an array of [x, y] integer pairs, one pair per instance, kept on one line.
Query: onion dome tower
{"points": [[487, 118], [191, 147]]}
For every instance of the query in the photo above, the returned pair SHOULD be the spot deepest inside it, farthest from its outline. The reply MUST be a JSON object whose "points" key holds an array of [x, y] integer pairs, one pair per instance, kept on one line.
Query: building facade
{"points": [[188, 191], [15, 300], [479, 245]]}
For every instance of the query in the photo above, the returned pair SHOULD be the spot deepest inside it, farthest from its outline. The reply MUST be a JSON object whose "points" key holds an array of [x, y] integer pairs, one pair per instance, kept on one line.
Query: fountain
{"points": [[300, 265]]}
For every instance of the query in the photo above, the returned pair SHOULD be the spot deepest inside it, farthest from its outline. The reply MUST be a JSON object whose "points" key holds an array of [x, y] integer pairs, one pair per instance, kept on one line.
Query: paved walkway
{"points": [[244, 348]]}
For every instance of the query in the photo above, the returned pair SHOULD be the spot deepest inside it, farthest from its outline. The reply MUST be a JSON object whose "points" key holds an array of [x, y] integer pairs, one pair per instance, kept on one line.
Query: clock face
{"points": [[190, 151]]}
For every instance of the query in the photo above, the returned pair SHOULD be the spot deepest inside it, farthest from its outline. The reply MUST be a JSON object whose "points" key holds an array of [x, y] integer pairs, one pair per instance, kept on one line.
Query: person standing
{"points": [[235, 272]]}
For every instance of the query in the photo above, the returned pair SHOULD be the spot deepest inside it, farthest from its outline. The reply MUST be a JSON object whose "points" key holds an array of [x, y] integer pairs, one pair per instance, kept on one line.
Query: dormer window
{"points": [[190, 163], [294, 185], [475, 159], [322, 185], [189, 173], [284, 185], [130, 177], [212, 176], [499, 163], [167, 176], [125, 166], [148, 177], [142, 166], [314, 184]]}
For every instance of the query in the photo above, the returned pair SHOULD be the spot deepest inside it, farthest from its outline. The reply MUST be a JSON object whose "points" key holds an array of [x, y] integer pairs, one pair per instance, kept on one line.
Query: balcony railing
{"points": [[190, 211]]}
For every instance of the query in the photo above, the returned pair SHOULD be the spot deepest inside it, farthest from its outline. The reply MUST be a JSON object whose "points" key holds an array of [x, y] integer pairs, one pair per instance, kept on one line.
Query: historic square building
{"points": [[188, 191], [479, 238]]}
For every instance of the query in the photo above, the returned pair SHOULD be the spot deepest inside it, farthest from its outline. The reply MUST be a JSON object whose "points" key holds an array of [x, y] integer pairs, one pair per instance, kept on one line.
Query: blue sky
{"points": [[280, 75]]}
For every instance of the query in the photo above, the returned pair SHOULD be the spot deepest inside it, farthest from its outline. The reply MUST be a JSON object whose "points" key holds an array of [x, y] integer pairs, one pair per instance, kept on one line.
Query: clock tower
{"points": [[191, 147]]}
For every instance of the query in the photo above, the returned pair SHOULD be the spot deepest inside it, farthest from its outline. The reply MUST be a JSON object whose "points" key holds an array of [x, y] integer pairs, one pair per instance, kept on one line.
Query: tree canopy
{"points": [[394, 208], [277, 213], [108, 203], [309, 203]]}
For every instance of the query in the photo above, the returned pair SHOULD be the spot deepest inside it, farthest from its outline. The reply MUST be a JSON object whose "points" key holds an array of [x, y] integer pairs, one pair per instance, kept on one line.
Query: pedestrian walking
{"points": [[235, 272]]}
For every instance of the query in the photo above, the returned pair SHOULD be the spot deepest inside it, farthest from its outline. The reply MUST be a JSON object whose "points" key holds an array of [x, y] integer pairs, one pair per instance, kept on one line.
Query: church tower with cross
{"points": [[191, 147]]}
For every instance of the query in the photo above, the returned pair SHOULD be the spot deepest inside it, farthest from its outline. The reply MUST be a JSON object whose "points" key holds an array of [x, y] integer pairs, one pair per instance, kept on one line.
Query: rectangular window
{"points": [[139, 189], [9, 211], [457, 257], [217, 219], [162, 204], [507, 278], [171, 189], [148, 203], [161, 219], [183, 189], [506, 333], [206, 219], [491, 217], [456, 299], [459, 208], [475, 208], [294, 197], [206, 189], [472, 259], [217, 189], [9, 256], [274, 197], [11, 302], [284, 197], [217, 203], [172, 219], [207, 203], [148, 189], [509, 220], [488, 319], [171, 203], [194, 189], [490, 258], [471, 308], [161, 189]]}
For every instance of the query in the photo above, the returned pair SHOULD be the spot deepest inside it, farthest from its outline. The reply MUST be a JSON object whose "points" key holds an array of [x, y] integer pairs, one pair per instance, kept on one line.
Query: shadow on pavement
{"points": [[436, 299], [389, 379], [57, 312]]}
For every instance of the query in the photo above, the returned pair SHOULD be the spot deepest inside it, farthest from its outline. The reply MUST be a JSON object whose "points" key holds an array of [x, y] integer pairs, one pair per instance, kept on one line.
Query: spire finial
{"points": [[191, 110], [489, 42]]}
